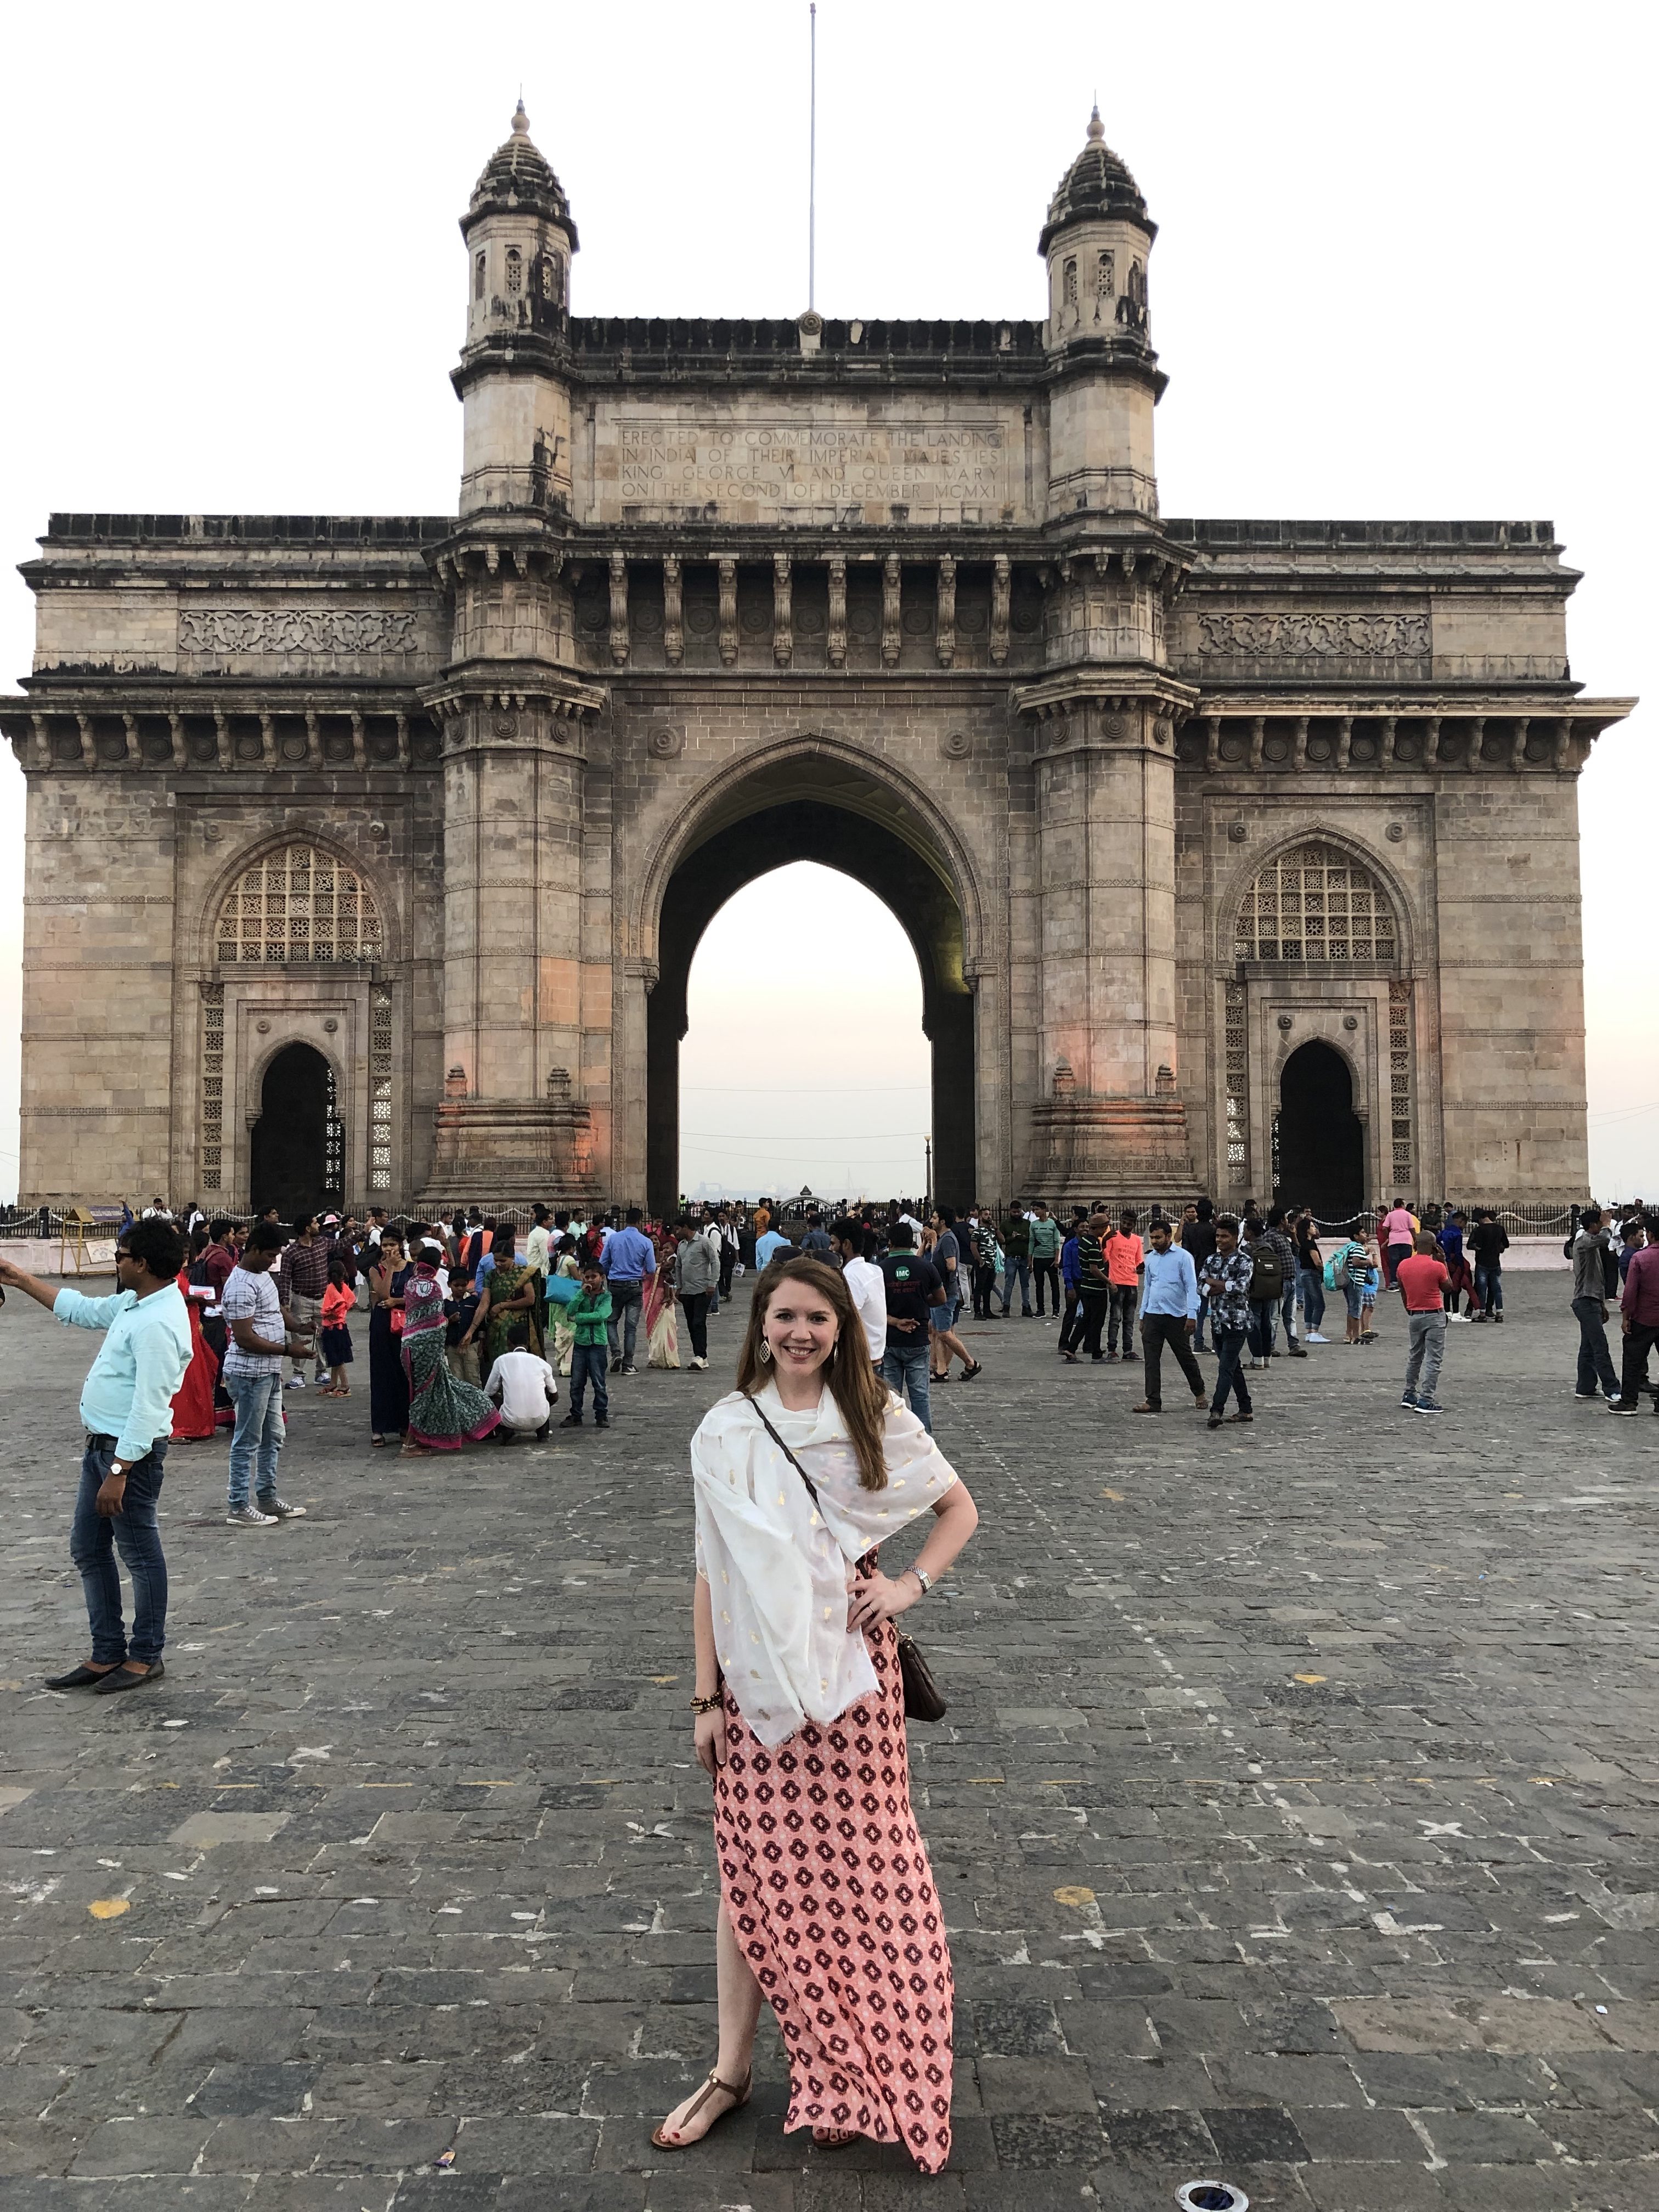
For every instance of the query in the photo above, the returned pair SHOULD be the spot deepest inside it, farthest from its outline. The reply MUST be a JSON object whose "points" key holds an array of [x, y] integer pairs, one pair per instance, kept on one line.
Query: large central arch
{"points": [[826, 804]]}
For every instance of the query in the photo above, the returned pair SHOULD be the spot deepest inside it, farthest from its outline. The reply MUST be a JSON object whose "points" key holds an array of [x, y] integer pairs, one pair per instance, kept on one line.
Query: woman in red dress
{"points": [[828, 1907], [192, 1408]]}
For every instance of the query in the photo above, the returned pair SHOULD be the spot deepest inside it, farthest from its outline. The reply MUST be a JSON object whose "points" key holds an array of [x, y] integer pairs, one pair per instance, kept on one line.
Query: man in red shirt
{"points": [[1423, 1282], [1639, 1314]]}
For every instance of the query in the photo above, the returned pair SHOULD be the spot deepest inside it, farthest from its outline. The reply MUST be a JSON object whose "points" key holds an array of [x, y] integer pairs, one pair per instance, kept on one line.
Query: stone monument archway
{"points": [[843, 814]]}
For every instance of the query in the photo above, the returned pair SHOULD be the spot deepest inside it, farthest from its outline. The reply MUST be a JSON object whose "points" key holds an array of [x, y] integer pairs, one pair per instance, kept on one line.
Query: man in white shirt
{"points": [[865, 1283], [525, 1388], [537, 1243]]}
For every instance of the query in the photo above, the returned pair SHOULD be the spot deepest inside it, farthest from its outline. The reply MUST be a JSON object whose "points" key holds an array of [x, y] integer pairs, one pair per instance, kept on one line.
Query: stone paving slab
{"points": [[1296, 1816]]}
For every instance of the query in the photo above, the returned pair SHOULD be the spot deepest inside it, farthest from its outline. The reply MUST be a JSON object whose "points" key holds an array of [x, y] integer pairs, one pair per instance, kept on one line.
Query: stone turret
{"points": [[1098, 240], [519, 238]]}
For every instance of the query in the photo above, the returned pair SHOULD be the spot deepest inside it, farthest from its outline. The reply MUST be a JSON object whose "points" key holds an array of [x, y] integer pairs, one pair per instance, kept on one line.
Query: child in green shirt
{"points": [[587, 1314]]}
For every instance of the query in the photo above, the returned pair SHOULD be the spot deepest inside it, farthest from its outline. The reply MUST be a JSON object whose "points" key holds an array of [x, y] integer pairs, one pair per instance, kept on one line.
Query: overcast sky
{"points": [[1404, 268]]}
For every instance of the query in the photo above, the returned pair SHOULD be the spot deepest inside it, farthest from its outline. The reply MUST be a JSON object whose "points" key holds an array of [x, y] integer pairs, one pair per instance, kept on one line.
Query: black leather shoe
{"points": [[78, 1678], [124, 1678]]}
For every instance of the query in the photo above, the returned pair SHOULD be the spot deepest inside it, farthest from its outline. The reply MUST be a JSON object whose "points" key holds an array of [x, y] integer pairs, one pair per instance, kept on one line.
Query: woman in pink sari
{"points": [[828, 1907]]}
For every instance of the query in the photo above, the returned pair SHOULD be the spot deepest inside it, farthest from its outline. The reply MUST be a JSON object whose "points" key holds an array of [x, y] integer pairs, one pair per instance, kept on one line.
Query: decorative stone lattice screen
{"points": [[1315, 904], [379, 1091], [298, 905], [1399, 1081], [1238, 1089], [213, 1085]]}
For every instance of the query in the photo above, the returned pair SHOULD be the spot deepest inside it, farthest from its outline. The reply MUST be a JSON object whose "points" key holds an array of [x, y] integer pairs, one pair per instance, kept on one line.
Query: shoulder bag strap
{"points": [[810, 1491]]}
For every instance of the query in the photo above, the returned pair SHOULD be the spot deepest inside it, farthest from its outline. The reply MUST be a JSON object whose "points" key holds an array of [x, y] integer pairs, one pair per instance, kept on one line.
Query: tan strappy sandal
{"points": [[740, 2092], [833, 2138]]}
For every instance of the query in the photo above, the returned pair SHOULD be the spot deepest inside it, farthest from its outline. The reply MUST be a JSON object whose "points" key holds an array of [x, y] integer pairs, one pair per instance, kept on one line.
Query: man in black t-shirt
{"points": [[914, 1288], [1488, 1241]]}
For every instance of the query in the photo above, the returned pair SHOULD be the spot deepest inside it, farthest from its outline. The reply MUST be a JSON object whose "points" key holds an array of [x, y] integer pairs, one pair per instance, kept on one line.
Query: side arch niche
{"points": [[297, 1150], [1318, 1141], [844, 813]]}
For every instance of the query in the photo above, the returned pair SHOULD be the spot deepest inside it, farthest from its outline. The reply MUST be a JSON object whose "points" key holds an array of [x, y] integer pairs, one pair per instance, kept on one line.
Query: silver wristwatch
{"points": [[926, 1581]]}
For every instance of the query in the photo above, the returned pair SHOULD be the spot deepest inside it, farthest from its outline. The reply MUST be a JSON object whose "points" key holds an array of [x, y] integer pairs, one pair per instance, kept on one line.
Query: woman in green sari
{"points": [[443, 1413], [507, 1293]]}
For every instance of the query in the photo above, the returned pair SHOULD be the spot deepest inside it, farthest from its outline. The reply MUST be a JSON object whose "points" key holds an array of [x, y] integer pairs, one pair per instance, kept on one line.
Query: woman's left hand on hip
{"points": [[878, 1597]]}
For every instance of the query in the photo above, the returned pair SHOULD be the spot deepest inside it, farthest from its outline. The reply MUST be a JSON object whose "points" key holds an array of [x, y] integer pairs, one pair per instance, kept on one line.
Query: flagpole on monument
{"points": [[812, 168]]}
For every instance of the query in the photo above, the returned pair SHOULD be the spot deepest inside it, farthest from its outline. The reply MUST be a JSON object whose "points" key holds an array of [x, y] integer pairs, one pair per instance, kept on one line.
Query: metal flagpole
{"points": [[812, 172]]}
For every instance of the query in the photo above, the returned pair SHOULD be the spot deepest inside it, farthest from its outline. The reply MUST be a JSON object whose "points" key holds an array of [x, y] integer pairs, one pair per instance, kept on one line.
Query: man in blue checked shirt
{"points": [[126, 1410], [1168, 1315]]}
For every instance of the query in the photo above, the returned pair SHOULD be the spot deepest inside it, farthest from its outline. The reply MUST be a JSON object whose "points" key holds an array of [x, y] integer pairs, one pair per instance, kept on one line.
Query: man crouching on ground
{"points": [[127, 1411]]}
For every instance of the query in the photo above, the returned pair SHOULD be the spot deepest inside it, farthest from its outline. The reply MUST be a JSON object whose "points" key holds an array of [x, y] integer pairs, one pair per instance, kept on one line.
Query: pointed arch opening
{"points": [[296, 1154], [1318, 1141]]}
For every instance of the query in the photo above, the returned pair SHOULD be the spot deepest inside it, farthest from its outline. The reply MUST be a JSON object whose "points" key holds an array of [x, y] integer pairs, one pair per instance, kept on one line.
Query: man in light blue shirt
{"points": [[127, 1411], [1168, 1315], [768, 1245], [628, 1257]]}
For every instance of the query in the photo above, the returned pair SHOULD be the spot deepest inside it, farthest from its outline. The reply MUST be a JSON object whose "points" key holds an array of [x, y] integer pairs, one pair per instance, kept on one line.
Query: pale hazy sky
{"points": [[1404, 268]]}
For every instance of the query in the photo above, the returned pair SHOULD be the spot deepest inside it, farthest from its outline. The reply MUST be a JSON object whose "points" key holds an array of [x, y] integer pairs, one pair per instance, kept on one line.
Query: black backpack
{"points": [[1267, 1272]]}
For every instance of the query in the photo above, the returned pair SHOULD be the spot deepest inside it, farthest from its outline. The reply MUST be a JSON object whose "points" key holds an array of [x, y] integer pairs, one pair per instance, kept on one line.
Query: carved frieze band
{"points": [[1394, 637], [314, 631]]}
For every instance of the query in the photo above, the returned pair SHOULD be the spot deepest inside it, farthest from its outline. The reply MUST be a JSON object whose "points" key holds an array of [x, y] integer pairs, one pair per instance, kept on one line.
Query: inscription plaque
{"points": [[781, 464]]}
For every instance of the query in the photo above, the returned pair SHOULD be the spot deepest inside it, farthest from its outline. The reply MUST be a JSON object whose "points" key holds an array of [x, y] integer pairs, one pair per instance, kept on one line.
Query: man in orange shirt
{"points": [[1124, 1254]]}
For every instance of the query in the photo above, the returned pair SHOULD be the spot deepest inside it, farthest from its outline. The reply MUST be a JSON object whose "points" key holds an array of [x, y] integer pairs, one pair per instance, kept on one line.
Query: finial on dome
{"points": [[1096, 133], [521, 121]]}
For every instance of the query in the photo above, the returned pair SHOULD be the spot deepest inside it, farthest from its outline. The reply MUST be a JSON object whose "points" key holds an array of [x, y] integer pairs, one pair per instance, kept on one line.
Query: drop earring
{"points": [[764, 1351]]}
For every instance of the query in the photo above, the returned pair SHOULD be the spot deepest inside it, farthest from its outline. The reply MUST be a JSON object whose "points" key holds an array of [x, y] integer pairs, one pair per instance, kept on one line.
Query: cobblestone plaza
{"points": [[1294, 1812]]}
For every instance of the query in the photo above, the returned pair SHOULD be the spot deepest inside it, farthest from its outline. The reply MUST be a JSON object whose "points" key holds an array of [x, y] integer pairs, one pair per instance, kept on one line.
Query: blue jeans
{"points": [[1230, 1375], [587, 1364], [626, 1298], [1120, 1301], [1313, 1297], [904, 1371], [1594, 1360], [133, 1532], [258, 1437], [1489, 1287], [1287, 1310], [1016, 1267]]}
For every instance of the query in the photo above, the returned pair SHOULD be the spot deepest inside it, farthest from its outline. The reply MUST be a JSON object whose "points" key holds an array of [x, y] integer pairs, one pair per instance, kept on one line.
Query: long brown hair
{"points": [[858, 1390]]}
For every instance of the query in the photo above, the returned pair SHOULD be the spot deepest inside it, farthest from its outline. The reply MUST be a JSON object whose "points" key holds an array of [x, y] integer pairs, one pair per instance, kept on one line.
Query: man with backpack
{"points": [[1593, 1259], [1269, 1270]]}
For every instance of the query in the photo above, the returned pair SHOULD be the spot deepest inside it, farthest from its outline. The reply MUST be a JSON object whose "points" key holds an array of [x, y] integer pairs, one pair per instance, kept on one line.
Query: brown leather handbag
{"points": [[923, 1699]]}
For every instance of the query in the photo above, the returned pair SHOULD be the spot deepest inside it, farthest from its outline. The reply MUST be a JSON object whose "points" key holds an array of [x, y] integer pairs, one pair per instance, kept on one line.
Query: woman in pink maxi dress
{"points": [[828, 1911]]}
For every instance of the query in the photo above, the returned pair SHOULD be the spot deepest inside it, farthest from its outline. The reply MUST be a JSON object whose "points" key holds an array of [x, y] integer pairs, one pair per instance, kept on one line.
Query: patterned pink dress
{"points": [[826, 1881]]}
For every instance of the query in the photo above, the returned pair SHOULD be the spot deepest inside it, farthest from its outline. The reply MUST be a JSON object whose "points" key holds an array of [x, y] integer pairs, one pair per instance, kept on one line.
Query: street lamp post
{"points": [[927, 1171]]}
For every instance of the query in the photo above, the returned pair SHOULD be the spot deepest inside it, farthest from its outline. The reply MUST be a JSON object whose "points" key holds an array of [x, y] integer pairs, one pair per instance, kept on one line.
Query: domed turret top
{"points": [[1098, 183], [518, 179]]}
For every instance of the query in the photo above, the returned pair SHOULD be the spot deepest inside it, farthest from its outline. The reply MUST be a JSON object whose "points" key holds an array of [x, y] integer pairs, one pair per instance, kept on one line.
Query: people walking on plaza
{"points": [[566, 1268], [1396, 1234], [1094, 1283], [1638, 1314], [1169, 1315], [338, 1300], [629, 1257], [1198, 1238], [1346, 1269], [946, 1344], [126, 1413], [1017, 1260], [797, 1478], [301, 1279], [1461, 1279], [1280, 1233], [1267, 1256], [987, 1253], [1310, 1279], [1046, 1241], [913, 1289], [1488, 1239], [1124, 1252], [1071, 1276], [699, 1275], [509, 1292], [539, 1243], [388, 1385], [260, 1341], [590, 1314], [865, 1283], [193, 1419], [444, 1413], [1592, 1257], [522, 1384], [1228, 1279], [1423, 1280]]}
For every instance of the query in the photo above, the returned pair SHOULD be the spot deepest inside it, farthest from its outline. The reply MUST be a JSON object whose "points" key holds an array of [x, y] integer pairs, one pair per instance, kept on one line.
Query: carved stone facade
{"points": [[1169, 809]]}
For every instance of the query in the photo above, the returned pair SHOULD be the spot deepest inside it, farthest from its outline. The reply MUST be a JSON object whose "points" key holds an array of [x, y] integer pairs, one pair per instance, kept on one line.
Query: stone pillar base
{"points": [[1127, 1150], [511, 1151]]}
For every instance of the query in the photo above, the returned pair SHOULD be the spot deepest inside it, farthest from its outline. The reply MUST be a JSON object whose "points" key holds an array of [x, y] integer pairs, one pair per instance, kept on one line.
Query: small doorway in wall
{"points": [[1319, 1144], [297, 1154]]}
